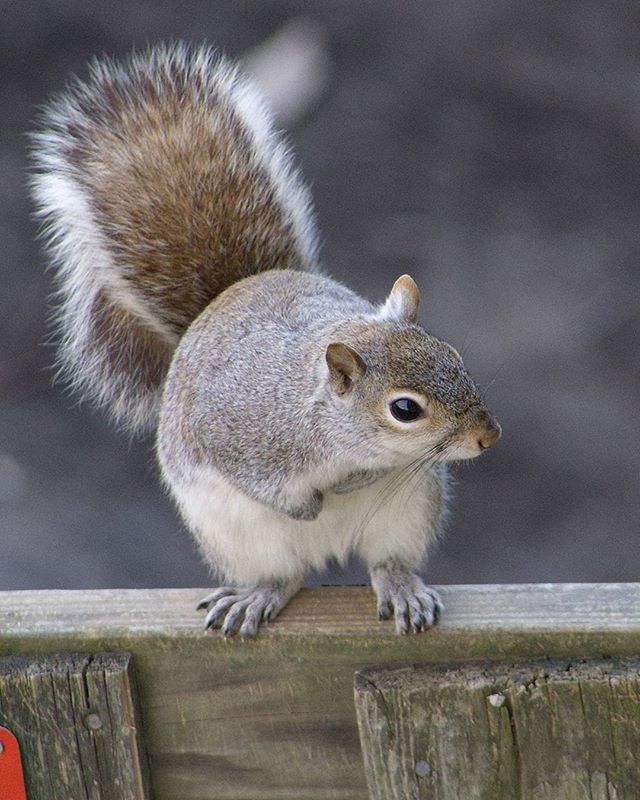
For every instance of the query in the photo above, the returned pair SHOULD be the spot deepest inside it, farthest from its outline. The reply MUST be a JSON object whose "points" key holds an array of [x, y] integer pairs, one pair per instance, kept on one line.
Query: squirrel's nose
{"points": [[489, 435]]}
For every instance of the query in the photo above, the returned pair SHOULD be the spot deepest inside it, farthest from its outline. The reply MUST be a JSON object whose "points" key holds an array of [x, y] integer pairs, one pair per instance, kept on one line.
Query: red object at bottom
{"points": [[11, 774]]}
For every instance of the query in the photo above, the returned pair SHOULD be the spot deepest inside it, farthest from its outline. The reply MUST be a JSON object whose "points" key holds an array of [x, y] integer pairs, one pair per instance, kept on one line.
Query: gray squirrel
{"points": [[295, 420]]}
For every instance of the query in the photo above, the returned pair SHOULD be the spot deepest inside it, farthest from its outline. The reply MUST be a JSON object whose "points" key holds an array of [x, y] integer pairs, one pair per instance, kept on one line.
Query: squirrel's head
{"points": [[413, 389]]}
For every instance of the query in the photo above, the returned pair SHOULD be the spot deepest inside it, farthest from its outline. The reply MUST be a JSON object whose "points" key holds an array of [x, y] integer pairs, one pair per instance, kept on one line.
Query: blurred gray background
{"points": [[492, 150]]}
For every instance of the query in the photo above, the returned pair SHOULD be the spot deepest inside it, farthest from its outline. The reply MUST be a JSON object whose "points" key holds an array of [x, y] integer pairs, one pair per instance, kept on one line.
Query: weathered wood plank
{"points": [[497, 611], [546, 731], [77, 724], [274, 718]]}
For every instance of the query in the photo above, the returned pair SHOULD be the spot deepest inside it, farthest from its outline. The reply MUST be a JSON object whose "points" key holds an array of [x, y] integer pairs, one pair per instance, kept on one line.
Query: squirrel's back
{"points": [[162, 183]]}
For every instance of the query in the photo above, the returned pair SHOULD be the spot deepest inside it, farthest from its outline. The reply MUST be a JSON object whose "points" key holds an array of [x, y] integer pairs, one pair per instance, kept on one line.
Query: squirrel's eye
{"points": [[405, 409]]}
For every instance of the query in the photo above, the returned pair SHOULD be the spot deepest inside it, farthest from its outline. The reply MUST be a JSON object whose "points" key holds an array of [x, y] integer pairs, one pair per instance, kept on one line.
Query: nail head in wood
{"points": [[423, 770], [93, 722], [497, 700]]}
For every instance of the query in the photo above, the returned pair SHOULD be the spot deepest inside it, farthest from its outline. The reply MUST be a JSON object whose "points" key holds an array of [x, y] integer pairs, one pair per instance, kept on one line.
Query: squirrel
{"points": [[295, 421]]}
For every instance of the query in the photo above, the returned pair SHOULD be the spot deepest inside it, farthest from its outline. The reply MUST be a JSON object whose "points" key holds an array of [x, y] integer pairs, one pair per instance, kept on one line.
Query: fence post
{"points": [[536, 731], [76, 720]]}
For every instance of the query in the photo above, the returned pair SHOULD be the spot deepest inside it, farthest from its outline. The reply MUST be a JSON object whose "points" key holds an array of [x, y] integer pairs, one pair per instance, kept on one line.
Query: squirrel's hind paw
{"points": [[241, 610], [404, 595]]}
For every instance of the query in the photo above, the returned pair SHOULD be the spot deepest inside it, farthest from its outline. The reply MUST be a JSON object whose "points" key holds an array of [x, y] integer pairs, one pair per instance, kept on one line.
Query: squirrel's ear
{"points": [[403, 301], [345, 366]]}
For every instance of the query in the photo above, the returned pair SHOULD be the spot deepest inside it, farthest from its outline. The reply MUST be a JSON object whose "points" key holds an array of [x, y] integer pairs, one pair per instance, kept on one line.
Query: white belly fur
{"points": [[248, 543]]}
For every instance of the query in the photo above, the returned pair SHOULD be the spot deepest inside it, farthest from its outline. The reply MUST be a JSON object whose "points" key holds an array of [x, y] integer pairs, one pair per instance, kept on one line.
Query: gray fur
{"points": [[246, 380], [138, 252], [358, 479], [241, 610], [403, 595], [250, 396], [275, 385]]}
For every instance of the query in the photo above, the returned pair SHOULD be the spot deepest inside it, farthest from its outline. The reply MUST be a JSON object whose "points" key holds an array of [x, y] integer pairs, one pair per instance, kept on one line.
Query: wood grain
{"points": [[274, 718], [546, 731], [77, 724]]}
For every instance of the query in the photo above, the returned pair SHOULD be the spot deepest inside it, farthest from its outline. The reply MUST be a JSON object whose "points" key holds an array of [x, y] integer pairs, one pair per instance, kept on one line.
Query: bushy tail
{"points": [[160, 182]]}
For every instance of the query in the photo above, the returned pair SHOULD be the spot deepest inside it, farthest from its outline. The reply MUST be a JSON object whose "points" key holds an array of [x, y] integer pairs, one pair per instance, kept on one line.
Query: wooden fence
{"points": [[526, 691]]}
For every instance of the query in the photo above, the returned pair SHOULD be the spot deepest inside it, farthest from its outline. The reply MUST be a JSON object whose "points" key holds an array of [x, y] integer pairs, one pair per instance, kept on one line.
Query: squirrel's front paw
{"points": [[358, 480], [240, 610], [414, 605], [306, 509]]}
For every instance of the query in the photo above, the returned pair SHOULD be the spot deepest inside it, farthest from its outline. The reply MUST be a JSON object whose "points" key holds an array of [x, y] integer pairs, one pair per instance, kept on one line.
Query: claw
{"points": [[384, 611], [251, 620], [414, 606], [218, 610], [240, 611], [234, 619], [207, 601]]}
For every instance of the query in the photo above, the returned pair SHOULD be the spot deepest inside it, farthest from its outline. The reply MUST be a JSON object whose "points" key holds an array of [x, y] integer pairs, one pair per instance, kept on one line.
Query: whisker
{"points": [[401, 482], [504, 364]]}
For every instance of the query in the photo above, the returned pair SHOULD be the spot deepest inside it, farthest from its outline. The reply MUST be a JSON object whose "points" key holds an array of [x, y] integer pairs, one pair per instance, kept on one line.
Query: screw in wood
{"points": [[423, 770], [93, 722]]}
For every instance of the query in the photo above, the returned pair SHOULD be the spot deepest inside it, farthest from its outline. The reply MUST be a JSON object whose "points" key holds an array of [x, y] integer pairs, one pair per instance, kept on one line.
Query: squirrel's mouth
{"points": [[473, 441]]}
